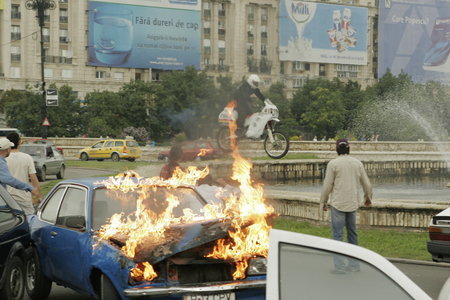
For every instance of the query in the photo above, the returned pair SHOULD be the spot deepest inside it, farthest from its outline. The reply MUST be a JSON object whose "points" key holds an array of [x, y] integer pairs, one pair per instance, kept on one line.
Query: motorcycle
{"points": [[258, 125]]}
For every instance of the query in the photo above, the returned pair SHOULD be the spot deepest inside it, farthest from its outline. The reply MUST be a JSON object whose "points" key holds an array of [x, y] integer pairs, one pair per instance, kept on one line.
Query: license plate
{"points": [[223, 296]]}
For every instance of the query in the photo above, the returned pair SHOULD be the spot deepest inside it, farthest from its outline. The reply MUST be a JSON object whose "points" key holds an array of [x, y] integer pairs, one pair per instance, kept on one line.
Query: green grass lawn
{"points": [[394, 243], [119, 166]]}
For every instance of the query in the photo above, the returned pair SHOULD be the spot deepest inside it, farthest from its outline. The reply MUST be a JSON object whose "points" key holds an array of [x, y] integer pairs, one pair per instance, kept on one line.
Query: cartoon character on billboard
{"points": [[342, 34]]}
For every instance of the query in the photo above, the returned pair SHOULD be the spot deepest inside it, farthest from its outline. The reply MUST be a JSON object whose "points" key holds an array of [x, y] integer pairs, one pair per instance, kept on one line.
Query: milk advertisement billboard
{"points": [[414, 36], [322, 33], [163, 34]]}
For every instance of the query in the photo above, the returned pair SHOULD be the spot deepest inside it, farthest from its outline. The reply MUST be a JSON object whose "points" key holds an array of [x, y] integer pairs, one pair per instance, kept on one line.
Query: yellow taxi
{"points": [[116, 149]]}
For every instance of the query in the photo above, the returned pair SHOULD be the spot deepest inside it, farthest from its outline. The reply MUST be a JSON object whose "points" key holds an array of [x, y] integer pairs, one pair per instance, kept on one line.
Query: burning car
{"points": [[130, 237]]}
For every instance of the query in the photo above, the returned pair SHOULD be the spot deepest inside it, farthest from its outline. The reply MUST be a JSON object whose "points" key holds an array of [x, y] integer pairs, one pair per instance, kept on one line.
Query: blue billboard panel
{"points": [[414, 37], [161, 34], [323, 33]]}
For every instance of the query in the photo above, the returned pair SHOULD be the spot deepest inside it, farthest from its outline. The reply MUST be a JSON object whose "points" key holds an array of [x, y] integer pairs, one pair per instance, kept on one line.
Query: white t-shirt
{"points": [[20, 165]]}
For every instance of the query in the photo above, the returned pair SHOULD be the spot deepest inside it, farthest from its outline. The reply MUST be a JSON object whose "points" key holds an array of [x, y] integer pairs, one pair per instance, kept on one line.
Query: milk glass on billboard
{"points": [[316, 32], [161, 34], [414, 37]]}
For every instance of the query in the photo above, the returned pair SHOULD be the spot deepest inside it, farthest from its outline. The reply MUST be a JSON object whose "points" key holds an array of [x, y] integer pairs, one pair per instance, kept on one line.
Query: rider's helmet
{"points": [[253, 80]]}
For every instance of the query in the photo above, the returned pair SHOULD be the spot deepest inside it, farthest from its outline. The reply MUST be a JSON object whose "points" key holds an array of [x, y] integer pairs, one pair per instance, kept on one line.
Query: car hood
{"points": [[178, 238], [444, 213]]}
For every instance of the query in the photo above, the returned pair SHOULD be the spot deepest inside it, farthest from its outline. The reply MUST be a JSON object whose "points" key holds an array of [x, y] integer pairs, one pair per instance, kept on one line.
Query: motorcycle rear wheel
{"points": [[279, 147], [224, 139]]}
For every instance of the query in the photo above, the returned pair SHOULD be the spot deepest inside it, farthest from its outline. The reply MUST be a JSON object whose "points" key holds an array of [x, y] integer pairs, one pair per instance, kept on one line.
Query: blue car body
{"points": [[71, 254]]}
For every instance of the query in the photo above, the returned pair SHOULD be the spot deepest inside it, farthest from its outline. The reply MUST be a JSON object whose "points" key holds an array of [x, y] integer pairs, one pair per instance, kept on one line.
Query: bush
{"points": [[140, 134]]}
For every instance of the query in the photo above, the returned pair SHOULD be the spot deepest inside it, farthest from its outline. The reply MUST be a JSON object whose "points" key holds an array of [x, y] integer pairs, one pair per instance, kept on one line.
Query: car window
{"points": [[309, 272], [49, 152], [7, 219], [132, 144], [98, 145], [73, 205], [119, 143], [109, 144], [50, 209], [35, 151], [109, 202]]}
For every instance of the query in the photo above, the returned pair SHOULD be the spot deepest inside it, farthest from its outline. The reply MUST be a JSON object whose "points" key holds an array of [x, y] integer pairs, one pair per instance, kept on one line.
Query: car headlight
{"points": [[257, 266]]}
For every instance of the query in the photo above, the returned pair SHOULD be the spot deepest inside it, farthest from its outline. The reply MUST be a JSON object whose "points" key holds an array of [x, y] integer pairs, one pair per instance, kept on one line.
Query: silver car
{"points": [[47, 160]]}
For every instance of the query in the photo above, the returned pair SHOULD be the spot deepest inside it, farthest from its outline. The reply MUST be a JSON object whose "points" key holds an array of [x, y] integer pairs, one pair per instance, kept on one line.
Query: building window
{"points": [[221, 10], [15, 33], [249, 49], [118, 75], [264, 31], [66, 74], [350, 71], [137, 76], [66, 56], [15, 11], [48, 73], [15, 53], [263, 49], [46, 35], [63, 36], [63, 15], [264, 15], [47, 15], [301, 66], [100, 74], [206, 47], [298, 82], [221, 29], [221, 47], [14, 72], [206, 9], [250, 29], [206, 28], [322, 70], [250, 13]]}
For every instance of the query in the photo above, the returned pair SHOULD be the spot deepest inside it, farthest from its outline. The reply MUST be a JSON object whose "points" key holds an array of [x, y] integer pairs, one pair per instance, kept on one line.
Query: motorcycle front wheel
{"points": [[279, 147]]}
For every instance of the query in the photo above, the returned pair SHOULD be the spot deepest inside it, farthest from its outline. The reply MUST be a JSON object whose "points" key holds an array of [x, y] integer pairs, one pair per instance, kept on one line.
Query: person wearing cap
{"points": [[5, 176], [345, 178], [21, 166]]}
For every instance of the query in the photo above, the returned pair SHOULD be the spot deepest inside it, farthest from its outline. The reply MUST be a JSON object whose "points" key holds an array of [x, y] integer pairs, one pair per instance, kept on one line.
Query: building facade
{"points": [[238, 37]]}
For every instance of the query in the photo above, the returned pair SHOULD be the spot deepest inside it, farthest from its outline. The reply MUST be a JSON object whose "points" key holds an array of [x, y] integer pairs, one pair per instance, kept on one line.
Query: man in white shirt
{"points": [[21, 166], [344, 179]]}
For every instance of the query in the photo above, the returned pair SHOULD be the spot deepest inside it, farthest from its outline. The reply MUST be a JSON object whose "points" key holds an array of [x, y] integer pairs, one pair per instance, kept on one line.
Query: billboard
{"points": [[414, 36], [160, 34], [322, 33]]}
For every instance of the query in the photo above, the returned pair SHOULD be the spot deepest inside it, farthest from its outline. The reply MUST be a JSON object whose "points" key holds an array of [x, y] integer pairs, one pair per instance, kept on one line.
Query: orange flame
{"points": [[203, 152], [248, 212]]}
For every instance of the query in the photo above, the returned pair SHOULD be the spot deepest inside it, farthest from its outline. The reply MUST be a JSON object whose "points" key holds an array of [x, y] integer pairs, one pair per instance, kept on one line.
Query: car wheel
{"points": [[61, 172], [37, 285], [14, 283], [115, 157], [43, 174], [84, 156], [107, 290]]}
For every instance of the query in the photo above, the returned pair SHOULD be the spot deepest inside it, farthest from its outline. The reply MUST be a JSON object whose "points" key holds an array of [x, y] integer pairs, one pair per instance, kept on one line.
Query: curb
{"points": [[418, 262]]}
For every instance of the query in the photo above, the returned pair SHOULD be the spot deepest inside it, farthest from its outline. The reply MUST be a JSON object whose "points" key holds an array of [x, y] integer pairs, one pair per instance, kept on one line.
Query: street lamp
{"points": [[40, 6]]}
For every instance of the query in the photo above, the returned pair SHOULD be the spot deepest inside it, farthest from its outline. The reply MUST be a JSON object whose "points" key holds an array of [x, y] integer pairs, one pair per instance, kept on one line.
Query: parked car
{"points": [[47, 160], [112, 148], [300, 267], [196, 150], [439, 233], [14, 244], [65, 235], [46, 142]]}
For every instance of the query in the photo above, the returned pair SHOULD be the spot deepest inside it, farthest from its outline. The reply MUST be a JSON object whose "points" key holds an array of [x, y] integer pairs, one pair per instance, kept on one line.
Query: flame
{"points": [[248, 235], [203, 152]]}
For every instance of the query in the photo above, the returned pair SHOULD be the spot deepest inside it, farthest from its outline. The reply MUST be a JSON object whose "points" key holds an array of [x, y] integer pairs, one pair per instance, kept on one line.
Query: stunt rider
{"points": [[242, 97]]}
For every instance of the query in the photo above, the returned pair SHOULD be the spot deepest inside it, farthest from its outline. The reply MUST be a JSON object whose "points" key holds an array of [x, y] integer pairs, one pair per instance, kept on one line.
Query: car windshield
{"points": [[110, 202], [32, 150]]}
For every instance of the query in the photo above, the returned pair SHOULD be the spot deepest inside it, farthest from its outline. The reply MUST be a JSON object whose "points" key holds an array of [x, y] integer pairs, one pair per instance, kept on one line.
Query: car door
{"points": [[63, 240], [301, 266], [51, 161], [107, 149], [95, 150]]}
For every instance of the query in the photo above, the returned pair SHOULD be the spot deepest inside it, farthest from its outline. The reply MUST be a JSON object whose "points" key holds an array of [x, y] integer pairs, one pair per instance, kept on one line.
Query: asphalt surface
{"points": [[429, 276]]}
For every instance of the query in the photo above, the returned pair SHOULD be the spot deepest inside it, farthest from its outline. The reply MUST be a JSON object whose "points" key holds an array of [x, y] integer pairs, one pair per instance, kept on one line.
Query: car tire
{"points": [[115, 157], [107, 290], [37, 285], [14, 283], [61, 172], [43, 174], [84, 156]]}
